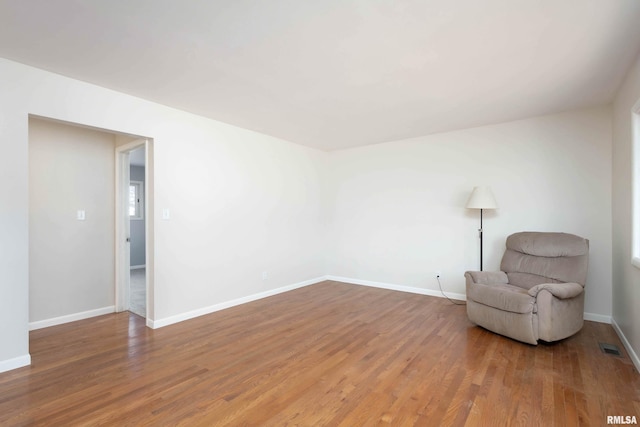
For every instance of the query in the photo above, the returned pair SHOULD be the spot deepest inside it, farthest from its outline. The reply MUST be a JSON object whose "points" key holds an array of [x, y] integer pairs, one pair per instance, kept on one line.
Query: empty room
{"points": [[319, 213]]}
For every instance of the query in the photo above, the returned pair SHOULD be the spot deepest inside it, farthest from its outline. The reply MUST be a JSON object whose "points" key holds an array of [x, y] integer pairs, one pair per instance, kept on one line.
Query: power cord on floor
{"points": [[443, 294]]}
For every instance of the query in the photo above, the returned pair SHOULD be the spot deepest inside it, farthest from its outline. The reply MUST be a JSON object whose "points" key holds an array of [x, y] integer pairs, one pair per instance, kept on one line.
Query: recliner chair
{"points": [[539, 294]]}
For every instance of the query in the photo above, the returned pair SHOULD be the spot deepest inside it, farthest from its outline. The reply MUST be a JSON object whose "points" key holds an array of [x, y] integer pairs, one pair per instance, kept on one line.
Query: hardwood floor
{"points": [[329, 354]]}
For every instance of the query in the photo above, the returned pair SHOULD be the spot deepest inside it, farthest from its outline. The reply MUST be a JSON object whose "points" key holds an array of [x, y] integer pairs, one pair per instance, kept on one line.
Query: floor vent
{"points": [[610, 349]]}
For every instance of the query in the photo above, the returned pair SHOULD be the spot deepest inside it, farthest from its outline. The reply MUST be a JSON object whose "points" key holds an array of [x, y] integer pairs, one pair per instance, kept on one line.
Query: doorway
{"points": [[137, 218], [133, 222]]}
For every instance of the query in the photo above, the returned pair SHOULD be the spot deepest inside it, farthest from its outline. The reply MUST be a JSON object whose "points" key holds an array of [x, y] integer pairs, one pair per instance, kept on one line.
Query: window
{"points": [[136, 200], [635, 123]]}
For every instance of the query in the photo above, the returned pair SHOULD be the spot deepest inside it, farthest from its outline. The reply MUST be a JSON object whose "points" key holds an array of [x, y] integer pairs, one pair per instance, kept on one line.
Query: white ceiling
{"points": [[334, 74]]}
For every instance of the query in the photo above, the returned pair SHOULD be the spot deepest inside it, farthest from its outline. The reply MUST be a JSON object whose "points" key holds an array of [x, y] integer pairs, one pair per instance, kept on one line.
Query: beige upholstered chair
{"points": [[539, 294]]}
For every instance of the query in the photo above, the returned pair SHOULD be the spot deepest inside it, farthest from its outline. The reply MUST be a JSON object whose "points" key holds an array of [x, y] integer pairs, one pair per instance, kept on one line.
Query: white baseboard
{"points": [[627, 345], [421, 291], [155, 324], [436, 293], [600, 318], [71, 318], [15, 363], [137, 267]]}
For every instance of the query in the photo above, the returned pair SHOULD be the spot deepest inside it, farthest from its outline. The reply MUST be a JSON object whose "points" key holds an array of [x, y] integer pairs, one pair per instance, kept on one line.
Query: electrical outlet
{"points": [[438, 274], [265, 275]]}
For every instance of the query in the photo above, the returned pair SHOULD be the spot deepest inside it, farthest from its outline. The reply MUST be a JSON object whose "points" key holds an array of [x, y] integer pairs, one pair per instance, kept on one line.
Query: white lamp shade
{"points": [[482, 198]]}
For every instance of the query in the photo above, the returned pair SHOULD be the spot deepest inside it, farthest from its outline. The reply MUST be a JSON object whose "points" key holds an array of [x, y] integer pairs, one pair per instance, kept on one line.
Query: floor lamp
{"points": [[481, 198]]}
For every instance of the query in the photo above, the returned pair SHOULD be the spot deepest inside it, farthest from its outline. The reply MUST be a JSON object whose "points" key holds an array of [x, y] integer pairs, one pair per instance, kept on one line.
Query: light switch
{"points": [[80, 215], [166, 214]]}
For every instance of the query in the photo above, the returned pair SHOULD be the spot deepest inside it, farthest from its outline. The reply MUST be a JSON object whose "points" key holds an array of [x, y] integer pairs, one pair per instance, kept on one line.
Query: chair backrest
{"points": [[533, 258]]}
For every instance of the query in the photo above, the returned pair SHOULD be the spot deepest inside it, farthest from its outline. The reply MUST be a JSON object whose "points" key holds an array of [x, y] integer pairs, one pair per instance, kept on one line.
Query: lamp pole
{"points": [[481, 198], [480, 230]]}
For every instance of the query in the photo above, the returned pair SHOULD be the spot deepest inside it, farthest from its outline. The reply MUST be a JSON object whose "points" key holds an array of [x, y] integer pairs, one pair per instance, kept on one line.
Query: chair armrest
{"points": [[488, 277], [558, 290]]}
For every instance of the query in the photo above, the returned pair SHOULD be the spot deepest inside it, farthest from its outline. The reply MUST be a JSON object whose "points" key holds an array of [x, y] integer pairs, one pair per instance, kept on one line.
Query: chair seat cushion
{"points": [[503, 297]]}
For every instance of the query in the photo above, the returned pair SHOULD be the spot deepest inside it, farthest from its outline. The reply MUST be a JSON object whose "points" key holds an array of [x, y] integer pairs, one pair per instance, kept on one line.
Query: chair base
{"points": [[518, 326]]}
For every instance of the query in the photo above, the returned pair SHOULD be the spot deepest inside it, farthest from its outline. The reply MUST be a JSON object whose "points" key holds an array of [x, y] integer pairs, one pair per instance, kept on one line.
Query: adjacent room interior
{"points": [[252, 213], [137, 234]]}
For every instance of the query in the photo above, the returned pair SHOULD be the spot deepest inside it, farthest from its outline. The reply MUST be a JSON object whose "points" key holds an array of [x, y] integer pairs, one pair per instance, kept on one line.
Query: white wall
{"points": [[626, 278], [14, 225], [238, 209], [71, 262], [399, 211], [241, 202]]}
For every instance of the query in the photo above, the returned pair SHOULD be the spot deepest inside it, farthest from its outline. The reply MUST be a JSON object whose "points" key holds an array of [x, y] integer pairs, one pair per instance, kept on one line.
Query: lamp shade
{"points": [[482, 198]]}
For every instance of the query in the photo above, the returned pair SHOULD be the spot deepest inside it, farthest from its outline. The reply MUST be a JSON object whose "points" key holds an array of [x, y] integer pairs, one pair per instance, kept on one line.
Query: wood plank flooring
{"points": [[330, 354]]}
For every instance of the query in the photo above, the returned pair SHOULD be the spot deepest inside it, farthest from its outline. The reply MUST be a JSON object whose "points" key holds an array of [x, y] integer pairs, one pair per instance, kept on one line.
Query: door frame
{"points": [[122, 246]]}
